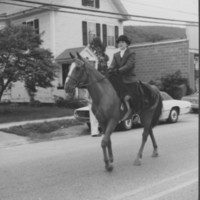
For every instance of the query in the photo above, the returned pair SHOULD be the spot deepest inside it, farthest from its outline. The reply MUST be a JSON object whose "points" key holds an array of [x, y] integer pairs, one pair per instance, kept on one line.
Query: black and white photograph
{"points": [[99, 100]]}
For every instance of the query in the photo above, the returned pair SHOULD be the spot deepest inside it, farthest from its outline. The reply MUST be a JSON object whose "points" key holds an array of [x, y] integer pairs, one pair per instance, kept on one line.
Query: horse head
{"points": [[77, 76]]}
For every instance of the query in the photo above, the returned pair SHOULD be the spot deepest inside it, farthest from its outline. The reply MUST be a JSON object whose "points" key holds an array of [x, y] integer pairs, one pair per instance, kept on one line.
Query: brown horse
{"points": [[106, 105]]}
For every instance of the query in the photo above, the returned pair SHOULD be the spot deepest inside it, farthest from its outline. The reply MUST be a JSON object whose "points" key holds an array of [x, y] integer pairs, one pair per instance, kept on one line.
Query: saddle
{"points": [[142, 95]]}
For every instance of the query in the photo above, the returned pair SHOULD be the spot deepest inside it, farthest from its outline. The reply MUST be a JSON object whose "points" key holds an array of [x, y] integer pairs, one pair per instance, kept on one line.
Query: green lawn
{"points": [[16, 112]]}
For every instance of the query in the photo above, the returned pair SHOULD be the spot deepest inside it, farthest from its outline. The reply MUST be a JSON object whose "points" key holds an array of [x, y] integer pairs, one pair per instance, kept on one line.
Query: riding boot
{"points": [[127, 104]]}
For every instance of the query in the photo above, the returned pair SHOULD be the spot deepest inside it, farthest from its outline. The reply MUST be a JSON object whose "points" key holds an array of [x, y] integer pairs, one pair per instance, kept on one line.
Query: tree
{"points": [[99, 50], [22, 59]]}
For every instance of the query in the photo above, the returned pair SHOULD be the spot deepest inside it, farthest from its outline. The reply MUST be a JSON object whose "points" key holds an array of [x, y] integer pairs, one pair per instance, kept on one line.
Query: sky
{"points": [[186, 10]]}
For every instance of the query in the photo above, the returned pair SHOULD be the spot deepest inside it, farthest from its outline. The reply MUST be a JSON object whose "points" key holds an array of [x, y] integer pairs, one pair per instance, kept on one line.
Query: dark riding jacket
{"points": [[125, 65]]}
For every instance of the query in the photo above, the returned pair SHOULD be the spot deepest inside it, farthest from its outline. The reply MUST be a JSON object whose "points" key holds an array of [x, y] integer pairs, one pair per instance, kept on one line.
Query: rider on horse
{"points": [[123, 67]]}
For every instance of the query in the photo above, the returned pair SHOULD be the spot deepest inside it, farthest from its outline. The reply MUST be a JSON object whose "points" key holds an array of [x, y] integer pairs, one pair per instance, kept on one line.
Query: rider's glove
{"points": [[116, 71], [110, 71], [113, 71]]}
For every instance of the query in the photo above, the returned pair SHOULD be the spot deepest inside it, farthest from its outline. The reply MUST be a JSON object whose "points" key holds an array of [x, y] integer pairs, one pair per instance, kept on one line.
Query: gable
{"points": [[84, 51], [104, 5], [65, 54]]}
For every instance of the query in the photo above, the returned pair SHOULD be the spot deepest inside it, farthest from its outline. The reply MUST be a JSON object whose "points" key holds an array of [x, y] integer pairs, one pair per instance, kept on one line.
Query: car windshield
{"points": [[165, 96]]}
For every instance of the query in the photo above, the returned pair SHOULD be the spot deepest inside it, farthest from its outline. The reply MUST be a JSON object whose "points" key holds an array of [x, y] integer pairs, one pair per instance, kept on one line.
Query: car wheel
{"points": [[126, 124], [173, 116], [195, 110]]}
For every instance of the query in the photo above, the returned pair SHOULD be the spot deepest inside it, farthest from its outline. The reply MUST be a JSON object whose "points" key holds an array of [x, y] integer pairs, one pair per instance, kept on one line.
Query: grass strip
{"points": [[46, 130]]}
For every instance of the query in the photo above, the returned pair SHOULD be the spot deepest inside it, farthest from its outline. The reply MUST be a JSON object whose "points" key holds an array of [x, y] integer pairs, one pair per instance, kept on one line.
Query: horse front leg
{"points": [[107, 153], [106, 145]]}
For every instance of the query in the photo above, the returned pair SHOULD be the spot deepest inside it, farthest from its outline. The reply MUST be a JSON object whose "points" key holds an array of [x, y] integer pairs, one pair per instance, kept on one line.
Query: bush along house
{"points": [[67, 26]]}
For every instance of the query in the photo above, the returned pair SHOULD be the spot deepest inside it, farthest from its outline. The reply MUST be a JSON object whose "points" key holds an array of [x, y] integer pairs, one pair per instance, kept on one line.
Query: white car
{"points": [[194, 99], [171, 110]]}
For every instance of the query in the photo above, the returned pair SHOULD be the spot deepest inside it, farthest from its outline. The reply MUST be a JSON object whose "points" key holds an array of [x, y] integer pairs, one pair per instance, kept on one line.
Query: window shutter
{"points": [[116, 34], [104, 35], [83, 2], [98, 29], [97, 3], [36, 26], [84, 29]]}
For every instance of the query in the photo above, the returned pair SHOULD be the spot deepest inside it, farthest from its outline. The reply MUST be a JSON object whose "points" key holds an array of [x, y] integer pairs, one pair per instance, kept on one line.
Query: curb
{"points": [[9, 140]]}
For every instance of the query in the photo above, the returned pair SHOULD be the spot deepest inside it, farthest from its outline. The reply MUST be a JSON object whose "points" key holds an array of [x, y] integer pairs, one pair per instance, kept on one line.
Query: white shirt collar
{"points": [[122, 52]]}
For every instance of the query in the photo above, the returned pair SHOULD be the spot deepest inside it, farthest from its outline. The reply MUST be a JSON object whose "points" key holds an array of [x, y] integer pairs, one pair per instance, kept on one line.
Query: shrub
{"points": [[70, 103], [35, 103], [174, 84]]}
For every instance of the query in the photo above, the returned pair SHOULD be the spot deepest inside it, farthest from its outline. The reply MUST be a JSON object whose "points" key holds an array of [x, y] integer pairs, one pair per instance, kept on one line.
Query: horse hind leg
{"points": [[140, 152], [155, 146]]}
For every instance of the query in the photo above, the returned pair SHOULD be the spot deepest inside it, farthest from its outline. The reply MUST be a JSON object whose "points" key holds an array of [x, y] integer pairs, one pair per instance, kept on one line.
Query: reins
{"points": [[91, 83], [79, 84]]}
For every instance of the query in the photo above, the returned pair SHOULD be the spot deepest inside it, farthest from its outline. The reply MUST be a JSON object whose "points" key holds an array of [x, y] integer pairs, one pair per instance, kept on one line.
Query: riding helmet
{"points": [[123, 38]]}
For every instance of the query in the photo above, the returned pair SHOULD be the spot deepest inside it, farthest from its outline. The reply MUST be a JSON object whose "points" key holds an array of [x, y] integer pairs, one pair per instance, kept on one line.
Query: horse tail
{"points": [[152, 94], [158, 111]]}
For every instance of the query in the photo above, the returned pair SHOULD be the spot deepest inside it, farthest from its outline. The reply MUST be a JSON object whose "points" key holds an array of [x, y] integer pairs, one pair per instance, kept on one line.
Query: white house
{"points": [[68, 25]]}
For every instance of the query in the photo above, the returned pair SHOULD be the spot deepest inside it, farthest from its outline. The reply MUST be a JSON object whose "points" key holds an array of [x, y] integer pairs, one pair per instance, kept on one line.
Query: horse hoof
{"points": [[137, 162], [155, 154], [109, 168]]}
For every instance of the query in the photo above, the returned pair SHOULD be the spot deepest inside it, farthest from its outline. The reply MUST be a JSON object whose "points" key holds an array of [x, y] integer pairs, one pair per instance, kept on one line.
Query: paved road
{"points": [[73, 169]]}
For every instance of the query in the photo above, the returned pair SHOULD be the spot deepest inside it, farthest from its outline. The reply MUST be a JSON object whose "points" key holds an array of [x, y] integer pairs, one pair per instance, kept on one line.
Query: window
{"points": [[91, 31], [110, 35], [88, 3], [91, 3], [34, 24]]}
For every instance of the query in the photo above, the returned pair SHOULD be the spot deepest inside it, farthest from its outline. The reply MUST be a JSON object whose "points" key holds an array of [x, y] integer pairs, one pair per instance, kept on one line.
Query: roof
{"points": [[158, 43], [121, 8], [65, 54], [19, 8]]}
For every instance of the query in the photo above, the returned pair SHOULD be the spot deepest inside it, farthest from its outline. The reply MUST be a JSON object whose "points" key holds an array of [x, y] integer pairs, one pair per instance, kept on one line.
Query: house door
{"points": [[65, 71]]}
